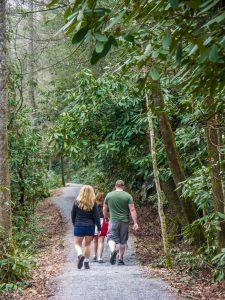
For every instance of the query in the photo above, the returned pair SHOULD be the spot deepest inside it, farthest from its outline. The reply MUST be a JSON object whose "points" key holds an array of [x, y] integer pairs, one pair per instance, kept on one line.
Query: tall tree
{"points": [[213, 143], [31, 92], [158, 187], [5, 211], [173, 156]]}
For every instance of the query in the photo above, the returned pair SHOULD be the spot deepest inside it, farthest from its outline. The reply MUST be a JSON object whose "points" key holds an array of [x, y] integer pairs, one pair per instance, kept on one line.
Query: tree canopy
{"points": [[102, 90]]}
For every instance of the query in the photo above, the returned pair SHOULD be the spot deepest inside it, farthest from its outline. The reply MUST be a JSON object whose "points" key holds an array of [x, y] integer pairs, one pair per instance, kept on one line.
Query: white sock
{"points": [[78, 249], [112, 245], [86, 259]]}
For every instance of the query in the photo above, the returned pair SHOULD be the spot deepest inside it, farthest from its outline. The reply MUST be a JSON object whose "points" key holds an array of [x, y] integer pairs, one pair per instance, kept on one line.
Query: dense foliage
{"points": [[104, 124], [178, 48], [90, 122]]}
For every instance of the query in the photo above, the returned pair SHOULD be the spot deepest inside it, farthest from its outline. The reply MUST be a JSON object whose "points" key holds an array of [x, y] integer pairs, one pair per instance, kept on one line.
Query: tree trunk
{"points": [[172, 197], [213, 143], [31, 92], [5, 201], [173, 156], [21, 188], [62, 171], [158, 189], [221, 154]]}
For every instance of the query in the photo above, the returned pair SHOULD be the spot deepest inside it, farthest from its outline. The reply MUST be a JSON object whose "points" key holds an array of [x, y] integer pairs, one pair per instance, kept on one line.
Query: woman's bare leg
{"points": [[87, 244], [78, 244], [95, 246], [101, 246]]}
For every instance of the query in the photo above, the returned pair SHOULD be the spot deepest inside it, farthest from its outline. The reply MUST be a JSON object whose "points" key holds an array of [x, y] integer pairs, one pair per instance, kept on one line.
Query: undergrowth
{"points": [[17, 255]]}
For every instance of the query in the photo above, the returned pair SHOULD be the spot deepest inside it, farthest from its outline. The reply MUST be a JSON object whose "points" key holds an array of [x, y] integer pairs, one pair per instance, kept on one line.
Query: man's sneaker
{"points": [[100, 260], [80, 261], [86, 265], [113, 257], [120, 262], [94, 259]]}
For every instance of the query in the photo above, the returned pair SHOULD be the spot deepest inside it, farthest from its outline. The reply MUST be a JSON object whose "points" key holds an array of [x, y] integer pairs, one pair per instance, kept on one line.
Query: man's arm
{"points": [[105, 211], [133, 216]]}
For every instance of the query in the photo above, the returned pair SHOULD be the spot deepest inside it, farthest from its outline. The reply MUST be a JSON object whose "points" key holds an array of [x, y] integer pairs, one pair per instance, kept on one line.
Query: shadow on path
{"points": [[103, 281]]}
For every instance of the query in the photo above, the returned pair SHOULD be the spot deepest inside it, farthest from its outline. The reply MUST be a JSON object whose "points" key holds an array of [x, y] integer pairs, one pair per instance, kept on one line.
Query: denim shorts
{"points": [[84, 230]]}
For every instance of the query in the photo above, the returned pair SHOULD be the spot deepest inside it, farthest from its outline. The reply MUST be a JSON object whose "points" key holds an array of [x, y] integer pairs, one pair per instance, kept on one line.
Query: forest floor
{"points": [[56, 276], [190, 283], [50, 254], [55, 264]]}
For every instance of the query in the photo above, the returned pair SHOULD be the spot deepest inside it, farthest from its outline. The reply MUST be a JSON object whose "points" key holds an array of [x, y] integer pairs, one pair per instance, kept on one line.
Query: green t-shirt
{"points": [[118, 204]]}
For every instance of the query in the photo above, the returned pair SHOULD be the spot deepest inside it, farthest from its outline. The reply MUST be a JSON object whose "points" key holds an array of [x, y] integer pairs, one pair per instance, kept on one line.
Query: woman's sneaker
{"points": [[80, 261], [113, 257], [86, 265], [94, 259], [120, 262], [100, 260]]}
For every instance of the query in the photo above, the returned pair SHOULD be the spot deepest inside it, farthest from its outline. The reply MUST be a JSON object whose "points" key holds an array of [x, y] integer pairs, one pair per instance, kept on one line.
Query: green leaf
{"points": [[174, 3], [193, 3], [52, 3], [115, 20], [204, 56], [129, 38], [99, 47], [221, 215], [67, 27], [102, 10], [97, 56], [218, 227], [67, 13], [214, 53], [76, 4], [211, 4], [193, 49], [218, 19], [72, 27], [154, 73], [80, 35], [179, 53], [114, 42], [101, 37], [167, 40]]}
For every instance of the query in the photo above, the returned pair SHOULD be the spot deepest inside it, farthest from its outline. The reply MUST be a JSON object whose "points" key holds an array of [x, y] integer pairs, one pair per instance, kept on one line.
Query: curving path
{"points": [[103, 281]]}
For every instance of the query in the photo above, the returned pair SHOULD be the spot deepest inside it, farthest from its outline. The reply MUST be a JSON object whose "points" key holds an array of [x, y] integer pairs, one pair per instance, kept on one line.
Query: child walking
{"points": [[98, 241]]}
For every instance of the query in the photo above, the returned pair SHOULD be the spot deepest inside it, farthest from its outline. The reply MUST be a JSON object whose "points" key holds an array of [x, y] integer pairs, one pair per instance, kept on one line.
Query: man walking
{"points": [[118, 204]]}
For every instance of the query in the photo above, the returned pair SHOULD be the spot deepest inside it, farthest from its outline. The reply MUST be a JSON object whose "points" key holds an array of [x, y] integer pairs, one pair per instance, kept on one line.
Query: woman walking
{"points": [[85, 216], [98, 241]]}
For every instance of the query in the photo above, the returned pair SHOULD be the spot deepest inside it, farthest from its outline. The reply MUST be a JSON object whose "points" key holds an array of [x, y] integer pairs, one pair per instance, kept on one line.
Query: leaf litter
{"points": [[50, 255], [188, 283]]}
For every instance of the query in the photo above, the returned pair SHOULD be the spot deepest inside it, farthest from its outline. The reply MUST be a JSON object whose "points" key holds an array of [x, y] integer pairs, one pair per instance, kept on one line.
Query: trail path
{"points": [[103, 281]]}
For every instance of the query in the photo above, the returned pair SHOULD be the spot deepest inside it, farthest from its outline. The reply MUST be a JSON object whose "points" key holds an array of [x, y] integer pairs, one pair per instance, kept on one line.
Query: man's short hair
{"points": [[120, 184]]}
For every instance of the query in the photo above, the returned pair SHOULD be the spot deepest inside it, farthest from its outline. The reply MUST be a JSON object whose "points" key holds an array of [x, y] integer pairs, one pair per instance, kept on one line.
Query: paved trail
{"points": [[103, 281]]}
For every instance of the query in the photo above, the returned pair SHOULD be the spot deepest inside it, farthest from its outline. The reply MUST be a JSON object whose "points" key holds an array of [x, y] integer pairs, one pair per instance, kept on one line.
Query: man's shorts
{"points": [[118, 232]]}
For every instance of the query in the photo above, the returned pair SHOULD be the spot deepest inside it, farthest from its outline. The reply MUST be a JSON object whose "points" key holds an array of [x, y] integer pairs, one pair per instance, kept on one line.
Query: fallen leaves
{"points": [[50, 255], [188, 284]]}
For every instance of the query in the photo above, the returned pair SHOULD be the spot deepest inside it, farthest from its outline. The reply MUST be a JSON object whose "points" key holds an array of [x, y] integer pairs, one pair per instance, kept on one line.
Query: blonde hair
{"points": [[86, 198], [100, 198]]}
